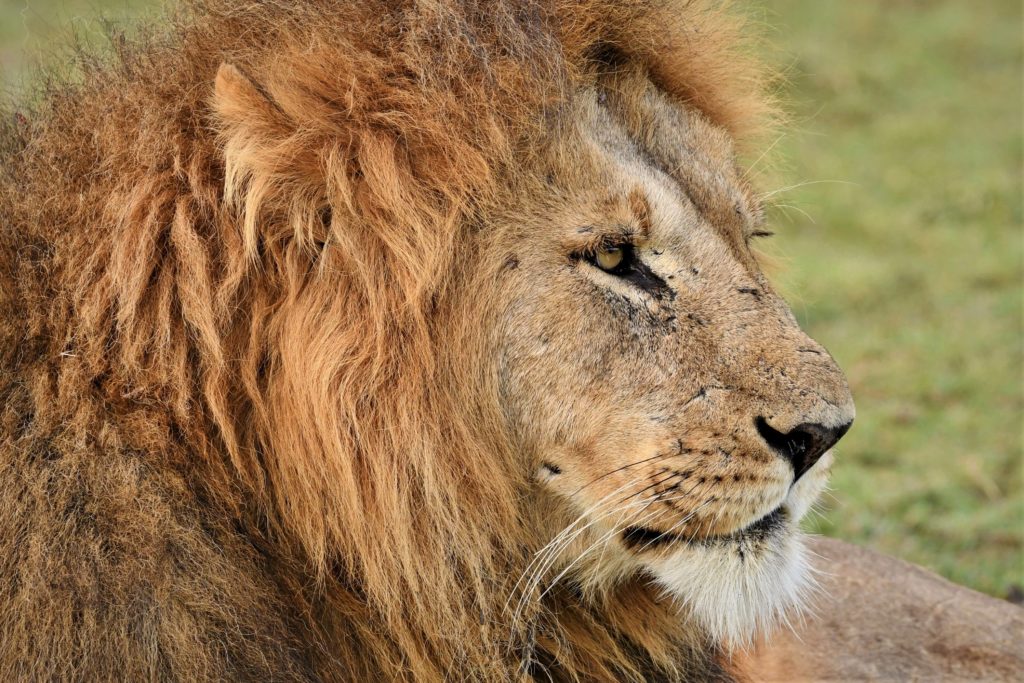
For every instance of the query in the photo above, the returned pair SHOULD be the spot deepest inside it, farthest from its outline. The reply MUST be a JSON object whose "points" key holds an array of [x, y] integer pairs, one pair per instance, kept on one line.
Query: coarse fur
{"points": [[307, 371]]}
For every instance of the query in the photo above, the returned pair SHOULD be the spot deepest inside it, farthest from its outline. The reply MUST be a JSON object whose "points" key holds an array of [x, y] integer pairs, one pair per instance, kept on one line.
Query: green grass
{"points": [[911, 272], [905, 257], [32, 32]]}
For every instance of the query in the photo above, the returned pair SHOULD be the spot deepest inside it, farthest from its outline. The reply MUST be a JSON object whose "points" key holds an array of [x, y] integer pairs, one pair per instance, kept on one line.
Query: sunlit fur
{"points": [[265, 274]]}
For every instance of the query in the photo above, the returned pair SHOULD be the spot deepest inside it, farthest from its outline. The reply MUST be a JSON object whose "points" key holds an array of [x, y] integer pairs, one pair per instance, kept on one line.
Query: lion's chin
{"points": [[739, 587], [748, 584]]}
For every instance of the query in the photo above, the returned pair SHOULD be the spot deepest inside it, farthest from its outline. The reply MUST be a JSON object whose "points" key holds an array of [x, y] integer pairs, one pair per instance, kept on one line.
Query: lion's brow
{"points": [[640, 207]]}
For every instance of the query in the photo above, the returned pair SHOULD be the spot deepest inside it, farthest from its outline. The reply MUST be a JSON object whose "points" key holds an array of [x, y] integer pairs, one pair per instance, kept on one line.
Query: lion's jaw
{"points": [[736, 586], [747, 583], [666, 407]]}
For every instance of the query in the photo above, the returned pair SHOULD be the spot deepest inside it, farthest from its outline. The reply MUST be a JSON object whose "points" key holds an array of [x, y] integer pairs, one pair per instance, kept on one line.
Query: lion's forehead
{"points": [[683, 166]]}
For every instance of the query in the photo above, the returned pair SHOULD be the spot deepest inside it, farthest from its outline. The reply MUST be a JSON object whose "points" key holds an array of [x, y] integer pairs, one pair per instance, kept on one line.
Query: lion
{"points": [[383, 340]]}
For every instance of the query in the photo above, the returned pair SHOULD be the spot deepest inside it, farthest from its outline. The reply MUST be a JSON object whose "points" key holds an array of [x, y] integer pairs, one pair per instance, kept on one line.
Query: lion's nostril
{"points": [[802, 445]]}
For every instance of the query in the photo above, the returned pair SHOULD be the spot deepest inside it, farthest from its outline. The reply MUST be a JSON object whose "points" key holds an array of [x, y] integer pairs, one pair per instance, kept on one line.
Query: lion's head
{"points": [[449, 310], [677, 419]]}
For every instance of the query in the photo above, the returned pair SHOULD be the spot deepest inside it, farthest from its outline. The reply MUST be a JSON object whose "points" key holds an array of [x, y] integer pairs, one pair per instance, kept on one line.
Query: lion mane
{"points": [[241, 435]]}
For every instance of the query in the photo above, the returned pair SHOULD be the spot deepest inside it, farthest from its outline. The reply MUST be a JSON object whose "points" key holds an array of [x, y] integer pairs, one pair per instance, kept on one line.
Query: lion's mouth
{"points": [[644, 538]]}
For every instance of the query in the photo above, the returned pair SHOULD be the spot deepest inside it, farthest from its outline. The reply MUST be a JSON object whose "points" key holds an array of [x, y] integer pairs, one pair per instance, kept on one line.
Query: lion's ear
{"points": [[243, 105], [269, 169]]}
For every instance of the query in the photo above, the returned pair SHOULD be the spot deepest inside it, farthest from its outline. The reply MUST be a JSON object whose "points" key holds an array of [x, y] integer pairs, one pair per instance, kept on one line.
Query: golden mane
{"points": [[169, 320]]}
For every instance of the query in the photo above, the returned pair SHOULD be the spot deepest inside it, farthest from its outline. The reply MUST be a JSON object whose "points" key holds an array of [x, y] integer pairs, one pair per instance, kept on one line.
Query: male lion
{"points": [[390, 340]]}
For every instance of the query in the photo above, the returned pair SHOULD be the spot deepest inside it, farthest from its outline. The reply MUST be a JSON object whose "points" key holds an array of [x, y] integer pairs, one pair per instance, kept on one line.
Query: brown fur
{"points": [[249, 427]]}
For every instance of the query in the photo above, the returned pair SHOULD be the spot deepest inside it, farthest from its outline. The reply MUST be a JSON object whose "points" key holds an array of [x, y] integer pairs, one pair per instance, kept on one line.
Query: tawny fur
{"points": [[245, 299]]}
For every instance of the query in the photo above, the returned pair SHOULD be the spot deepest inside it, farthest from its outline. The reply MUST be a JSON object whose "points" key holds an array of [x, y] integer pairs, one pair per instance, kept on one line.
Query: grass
{"points": [[904, 255], [911, 271], [33, 31]]}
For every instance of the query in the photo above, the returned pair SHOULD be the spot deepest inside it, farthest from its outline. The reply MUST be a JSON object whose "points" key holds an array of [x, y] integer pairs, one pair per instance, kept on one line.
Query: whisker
{"points": [[675, 526], [612, 532], [560, 535], [535, 580], [544, 558], [750, 169], [650, 486], [553, 554], [619, 469], [797, 209], [789, 188]]}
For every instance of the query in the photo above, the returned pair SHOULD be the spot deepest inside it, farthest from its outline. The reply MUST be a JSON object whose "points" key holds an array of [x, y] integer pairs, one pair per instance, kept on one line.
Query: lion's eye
{"points": [[622, 261], [616, 260], [609, 259]]}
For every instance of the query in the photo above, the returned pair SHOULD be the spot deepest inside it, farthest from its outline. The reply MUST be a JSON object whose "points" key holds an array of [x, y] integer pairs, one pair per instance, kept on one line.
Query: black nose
{"points": [[804, 444]]}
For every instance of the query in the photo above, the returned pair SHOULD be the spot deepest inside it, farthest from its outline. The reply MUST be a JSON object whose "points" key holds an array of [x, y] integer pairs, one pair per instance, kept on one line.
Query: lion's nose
{"points": [[802, 445]]}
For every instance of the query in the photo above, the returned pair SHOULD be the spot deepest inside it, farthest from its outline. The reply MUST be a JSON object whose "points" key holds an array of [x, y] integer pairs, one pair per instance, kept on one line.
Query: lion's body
{"points": [[242, 311]]}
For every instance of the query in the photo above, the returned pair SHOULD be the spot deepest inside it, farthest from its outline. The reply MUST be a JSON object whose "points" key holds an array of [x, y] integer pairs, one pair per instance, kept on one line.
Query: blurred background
{"points": [[897, 202]]}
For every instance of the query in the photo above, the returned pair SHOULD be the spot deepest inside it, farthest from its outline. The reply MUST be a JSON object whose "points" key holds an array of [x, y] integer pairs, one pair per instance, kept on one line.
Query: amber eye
{"points": [[621, 260], [614, 259], [609, 259]]}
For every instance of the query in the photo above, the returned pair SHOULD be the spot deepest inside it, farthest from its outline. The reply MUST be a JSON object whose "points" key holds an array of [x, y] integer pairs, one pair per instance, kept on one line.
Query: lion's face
{"points": [[677, 419]]}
